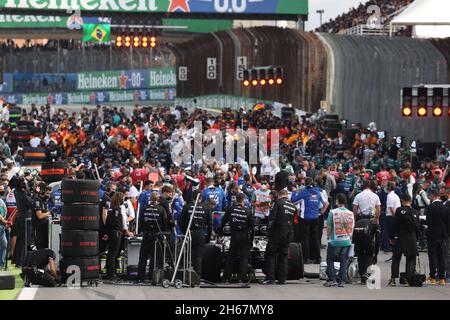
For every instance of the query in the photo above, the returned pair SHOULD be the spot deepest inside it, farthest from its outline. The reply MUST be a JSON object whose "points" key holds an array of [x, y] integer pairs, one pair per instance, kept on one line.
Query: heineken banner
{"points": [[23, 21], [7, 85], [19, 21], [127, 79], [291, 7], [93, 98]]}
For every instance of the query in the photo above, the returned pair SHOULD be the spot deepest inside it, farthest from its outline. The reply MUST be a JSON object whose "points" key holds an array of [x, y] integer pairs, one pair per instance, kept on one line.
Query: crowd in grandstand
{"points": [[75, 56], [135, 154], [359, 15]]}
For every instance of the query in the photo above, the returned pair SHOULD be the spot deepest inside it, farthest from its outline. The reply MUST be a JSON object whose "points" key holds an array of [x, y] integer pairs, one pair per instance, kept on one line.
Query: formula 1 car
{"points": [[216, 253]]}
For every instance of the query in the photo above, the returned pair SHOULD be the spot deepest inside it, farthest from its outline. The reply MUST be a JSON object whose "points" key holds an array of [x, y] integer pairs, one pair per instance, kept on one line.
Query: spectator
{"points": [[340, 226]]}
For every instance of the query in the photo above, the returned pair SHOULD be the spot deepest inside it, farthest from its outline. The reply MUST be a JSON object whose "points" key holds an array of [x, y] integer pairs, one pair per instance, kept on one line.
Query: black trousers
{"points": [[437, 252], [320, 228], [277, 258], [147, 252], [24, 233], [114, 240], [198, 248], [41, 235], [410, 265], [239, 250], [309, 238], [364, 261], [44, 279]]}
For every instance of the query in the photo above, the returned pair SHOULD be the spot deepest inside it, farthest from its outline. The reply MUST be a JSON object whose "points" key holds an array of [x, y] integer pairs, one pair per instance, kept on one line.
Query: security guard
{"points": [[201, 228], [281, 222], [241, 222], [152, 221], [40, 217]]}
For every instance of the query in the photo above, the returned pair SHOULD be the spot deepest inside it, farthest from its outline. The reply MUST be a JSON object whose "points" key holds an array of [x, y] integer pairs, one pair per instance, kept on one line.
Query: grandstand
{"points": [[350, 22]]}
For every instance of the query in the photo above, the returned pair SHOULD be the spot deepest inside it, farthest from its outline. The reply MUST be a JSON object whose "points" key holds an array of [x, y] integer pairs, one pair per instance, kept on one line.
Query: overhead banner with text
{"points": [[127, 79], [288, 7]]}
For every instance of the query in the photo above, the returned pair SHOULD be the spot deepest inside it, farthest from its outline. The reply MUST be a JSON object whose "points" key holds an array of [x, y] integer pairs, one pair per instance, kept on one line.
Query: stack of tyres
{"points": [[33, 156], [22, 136], [54, 171], [14, 115], [80, 224]]}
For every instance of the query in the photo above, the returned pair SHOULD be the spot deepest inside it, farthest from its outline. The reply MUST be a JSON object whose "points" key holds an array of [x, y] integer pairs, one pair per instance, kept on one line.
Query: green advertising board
{"points": [[127, 79], [36, 22], [221, 7], [199, 25], [23, 21]]}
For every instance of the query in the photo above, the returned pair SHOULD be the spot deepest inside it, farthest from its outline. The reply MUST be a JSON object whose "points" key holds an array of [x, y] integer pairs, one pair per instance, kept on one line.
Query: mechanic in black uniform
{"points": [[40, 217], [403, 237], [241, 222], [201, 228], [166, 202], [33, 268], [280, 227], [23, 226], [367, 240], [115, 229], [105, 205], [152, 221]]}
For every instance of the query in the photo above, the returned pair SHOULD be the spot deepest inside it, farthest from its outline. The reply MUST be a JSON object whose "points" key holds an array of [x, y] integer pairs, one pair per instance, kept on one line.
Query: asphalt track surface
{"points": [[294, 290]]}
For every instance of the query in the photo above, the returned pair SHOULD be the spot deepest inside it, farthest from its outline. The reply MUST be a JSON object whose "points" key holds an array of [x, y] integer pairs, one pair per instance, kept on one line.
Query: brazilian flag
{"points": [[99, 33]]}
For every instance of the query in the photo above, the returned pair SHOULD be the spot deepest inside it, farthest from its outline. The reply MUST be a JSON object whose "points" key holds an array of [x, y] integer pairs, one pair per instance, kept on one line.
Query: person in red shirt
{"points": [[138, 174], [382, 174], [179, 177]]}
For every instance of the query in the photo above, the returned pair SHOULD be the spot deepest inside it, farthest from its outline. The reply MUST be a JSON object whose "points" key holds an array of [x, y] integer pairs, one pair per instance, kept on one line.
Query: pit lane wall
{"points": [[365, 77], [302, 55]]}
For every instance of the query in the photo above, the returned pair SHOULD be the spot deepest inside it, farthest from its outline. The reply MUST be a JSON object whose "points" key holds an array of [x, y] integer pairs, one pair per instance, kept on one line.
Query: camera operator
{"points": [[40, 216], [24, 206]]}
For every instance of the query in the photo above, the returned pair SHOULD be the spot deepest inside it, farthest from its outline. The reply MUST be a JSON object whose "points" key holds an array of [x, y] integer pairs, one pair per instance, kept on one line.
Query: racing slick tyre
{"points": [[80, 217], [296, 268], [80, 191], [79, 243], [89, 267], [25, 124], [14, 115], [211, 264], [20, 136], [54, 171], [33, 155]]}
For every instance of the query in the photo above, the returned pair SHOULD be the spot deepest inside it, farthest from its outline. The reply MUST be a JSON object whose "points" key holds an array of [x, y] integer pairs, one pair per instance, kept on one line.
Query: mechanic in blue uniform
{"points": [[217, 195], [54, 203], [309, 222]]}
